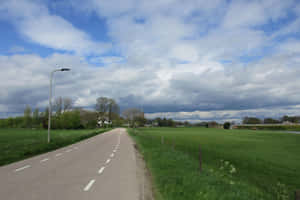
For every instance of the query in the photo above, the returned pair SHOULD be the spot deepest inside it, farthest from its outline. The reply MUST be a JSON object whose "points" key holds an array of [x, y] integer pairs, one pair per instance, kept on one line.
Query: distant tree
{"points": [[36, 118], [292, 119], [62, 104], [285, 118], [251, 120], [10, 122], [271, 121], [134, 116], [88, 119], [186, 123], [107, 110], [58, 106], [203, 124], [141, 120], [226, 125], [45, 117], [67, 103], [70, 120], [102, 108], [2, 123], [170, 123], [113, 110], [163, 122], [212, 124], [27, 117]]}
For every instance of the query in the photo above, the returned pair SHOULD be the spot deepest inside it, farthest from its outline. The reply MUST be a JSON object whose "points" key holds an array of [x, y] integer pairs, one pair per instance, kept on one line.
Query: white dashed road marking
{"points": [[59, 154], [108, 160], [101, 170], [112, 155], [22, 168], [89, 185], [44, 160], [69, 150]]}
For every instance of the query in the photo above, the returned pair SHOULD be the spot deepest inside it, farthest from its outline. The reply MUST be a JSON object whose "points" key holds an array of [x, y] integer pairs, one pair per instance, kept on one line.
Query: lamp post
{"points": [[50, 98]]}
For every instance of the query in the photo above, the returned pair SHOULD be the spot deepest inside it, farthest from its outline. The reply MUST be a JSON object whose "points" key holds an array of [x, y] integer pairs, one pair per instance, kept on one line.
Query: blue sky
{"points": [[191, 60]]}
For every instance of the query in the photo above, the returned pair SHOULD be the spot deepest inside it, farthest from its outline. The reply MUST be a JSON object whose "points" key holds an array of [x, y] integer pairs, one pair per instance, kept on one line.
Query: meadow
{"points": [[237, 164], [18, 144]]}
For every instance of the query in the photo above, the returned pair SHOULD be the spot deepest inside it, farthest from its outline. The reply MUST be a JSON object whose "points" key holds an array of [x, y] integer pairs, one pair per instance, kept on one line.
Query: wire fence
{"points": [[192, 150]]}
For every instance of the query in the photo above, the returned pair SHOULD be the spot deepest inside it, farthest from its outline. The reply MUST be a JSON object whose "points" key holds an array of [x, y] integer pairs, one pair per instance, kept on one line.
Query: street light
{"points": [[50, 98]]}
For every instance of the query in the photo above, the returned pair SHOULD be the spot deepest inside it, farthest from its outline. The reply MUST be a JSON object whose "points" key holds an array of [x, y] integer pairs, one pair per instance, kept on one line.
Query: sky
{"points": [[194, 60]]}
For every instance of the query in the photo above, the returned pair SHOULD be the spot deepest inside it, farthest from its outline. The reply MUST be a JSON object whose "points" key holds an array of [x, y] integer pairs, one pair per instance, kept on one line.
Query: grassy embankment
{"points": [[18, 144], [256, 164]]}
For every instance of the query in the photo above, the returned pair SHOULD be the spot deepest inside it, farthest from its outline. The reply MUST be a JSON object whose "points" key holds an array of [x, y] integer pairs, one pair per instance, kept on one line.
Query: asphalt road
{"points": [[102, 167]]}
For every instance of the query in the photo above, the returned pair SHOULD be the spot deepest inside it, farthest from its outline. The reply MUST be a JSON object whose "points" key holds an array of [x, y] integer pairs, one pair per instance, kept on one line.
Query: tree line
{"points": [[63, 116], [284, 119], [106, 113]]}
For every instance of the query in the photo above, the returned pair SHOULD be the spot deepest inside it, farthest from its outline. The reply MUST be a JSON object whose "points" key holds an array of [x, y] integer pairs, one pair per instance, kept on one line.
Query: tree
{"points": [[68, 103], [134, 116], [102, 108], [62, 104], [88, 119], [293, 119], [70, 120], [107, 110], [45, 117], [251, 120], [36, 118], [58, 106], [27, 117], [271, 121], [226, 125], [186, 123], [212, 124], [113, 110]]}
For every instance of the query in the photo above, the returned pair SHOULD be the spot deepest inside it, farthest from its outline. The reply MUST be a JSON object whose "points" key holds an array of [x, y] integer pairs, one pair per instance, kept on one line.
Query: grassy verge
{"points": [[18, 144], [237, 164]]}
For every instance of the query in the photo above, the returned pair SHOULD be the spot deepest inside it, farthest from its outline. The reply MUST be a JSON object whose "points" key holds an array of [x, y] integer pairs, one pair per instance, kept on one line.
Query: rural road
{"points": [[101, 167]]}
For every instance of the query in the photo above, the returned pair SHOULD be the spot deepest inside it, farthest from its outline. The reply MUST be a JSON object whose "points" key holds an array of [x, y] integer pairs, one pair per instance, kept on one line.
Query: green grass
{"points": [[18, 144], [275, 127], [267, 163]]}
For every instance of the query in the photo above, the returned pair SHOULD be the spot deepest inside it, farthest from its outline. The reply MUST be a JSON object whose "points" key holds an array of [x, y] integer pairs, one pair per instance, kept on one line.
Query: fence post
{"points": [[297, 195], [200, 159]]}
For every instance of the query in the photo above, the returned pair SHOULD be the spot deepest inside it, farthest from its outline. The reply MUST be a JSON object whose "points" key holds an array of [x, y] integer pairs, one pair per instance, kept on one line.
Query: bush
{"points": [[226, 125]]}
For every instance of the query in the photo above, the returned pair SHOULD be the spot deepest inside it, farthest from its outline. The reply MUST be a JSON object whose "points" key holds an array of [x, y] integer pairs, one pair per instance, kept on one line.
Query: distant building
{"points": [[101, 123]]}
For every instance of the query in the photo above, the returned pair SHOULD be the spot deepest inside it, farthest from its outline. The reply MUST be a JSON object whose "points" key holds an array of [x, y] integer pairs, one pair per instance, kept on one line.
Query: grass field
{"points": [[237, 164], [18, 144]]}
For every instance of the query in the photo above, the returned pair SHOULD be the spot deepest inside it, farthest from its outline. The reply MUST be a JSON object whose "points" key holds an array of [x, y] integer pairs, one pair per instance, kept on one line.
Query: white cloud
{"points": [[184, 87], [171, 58], [244, 14], [35, 23]]}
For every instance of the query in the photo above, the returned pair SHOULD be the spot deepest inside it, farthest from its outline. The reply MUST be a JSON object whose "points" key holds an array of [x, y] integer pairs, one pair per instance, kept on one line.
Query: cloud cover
{"points": [[174, 58]]}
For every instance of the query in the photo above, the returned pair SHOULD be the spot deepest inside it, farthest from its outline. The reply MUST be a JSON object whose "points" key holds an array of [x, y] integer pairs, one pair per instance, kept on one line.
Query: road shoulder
{"points": [[144, 177]]}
